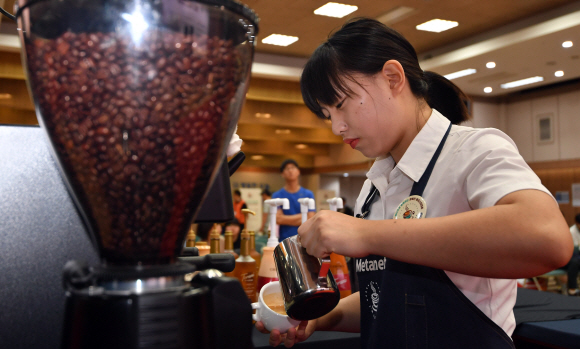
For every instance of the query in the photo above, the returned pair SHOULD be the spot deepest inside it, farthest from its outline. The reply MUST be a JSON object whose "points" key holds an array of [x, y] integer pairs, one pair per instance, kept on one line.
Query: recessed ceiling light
{"points": [[559, 73], [522, 82], [567, 44], [282, 132], [263, 115], [490, 65], [487, 89], [279, 40], [301, 146], [437, 25], [334, 9], [345, 174], [257, 157], [5, 96], [460, 73]]}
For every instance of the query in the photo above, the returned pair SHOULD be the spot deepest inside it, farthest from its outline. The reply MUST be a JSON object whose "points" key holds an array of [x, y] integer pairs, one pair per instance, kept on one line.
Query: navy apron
{"points": [[408, 306]]}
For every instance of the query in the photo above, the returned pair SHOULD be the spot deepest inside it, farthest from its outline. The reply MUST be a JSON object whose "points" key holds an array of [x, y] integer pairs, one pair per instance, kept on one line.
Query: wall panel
{"points": [[543, 107], [569, 119], [519, 127]]}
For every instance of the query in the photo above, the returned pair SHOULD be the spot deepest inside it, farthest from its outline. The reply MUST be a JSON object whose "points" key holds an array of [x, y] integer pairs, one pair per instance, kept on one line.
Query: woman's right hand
{"points": [[293, 336]]}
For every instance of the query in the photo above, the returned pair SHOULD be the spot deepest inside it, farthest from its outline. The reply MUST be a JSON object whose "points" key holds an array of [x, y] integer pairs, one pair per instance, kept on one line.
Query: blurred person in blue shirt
{"points": [[290, 219]]}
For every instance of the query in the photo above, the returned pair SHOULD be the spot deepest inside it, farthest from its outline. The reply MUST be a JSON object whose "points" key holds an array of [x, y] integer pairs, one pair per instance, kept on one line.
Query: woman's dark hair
{"points": [[363, 45], [577, 218], [266, 192]]}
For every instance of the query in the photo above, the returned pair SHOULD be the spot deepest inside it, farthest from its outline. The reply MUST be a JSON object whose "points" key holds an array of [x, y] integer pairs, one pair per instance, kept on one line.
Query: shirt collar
{"points": [[423, 147], [420, 151]]}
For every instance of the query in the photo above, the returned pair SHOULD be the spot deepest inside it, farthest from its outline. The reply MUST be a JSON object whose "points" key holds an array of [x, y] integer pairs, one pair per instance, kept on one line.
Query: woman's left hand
{"points": [[330, 231]]}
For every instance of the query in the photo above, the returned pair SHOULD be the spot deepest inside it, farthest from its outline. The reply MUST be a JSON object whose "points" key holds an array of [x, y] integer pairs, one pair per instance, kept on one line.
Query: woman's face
{"points": [[370, 119]]}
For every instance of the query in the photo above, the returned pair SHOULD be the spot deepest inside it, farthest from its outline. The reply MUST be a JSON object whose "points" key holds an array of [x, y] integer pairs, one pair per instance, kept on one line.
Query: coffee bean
{"points": [[136, 130]]}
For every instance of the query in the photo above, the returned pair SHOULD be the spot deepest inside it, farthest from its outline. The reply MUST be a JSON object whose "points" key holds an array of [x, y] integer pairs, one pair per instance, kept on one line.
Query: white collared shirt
{"points": [[476, 168]]}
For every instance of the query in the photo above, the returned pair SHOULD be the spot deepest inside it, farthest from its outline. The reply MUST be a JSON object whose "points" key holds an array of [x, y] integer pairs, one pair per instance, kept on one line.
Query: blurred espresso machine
{"points": [[137, 101]]}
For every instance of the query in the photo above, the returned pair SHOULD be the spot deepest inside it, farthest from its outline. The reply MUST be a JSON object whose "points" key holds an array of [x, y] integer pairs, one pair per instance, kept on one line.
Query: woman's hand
{"points": [[330, 231], [293, 336]]}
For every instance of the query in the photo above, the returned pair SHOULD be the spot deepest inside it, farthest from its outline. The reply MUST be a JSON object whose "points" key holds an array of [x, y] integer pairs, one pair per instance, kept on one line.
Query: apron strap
{"points": [[419, 187]]}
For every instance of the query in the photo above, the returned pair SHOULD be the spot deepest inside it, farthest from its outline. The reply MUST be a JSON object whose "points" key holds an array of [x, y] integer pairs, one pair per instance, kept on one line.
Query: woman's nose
{"points": [[338, 126]]}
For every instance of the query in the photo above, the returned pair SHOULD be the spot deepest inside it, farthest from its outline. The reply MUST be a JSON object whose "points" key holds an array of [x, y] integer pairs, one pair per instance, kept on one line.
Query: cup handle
{"points": [[255, 306], [324, 267]]}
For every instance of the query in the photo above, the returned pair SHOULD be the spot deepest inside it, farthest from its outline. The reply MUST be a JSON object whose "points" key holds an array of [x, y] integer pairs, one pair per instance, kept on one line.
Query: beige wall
{"points": [[340, 154], [522, 127], [520, 121], [273, 180], [242, 179]]}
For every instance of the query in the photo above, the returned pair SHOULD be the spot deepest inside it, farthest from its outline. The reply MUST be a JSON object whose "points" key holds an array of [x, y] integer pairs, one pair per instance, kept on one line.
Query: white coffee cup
{"points": [[271, 319]]}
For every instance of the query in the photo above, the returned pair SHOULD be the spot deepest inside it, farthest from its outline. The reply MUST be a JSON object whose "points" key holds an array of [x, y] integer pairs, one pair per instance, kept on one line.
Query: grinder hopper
{"points": [[138, 99]]}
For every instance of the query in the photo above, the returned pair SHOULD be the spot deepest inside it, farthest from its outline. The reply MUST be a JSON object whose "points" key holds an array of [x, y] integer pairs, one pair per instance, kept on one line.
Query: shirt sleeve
{"points": [[495, 168]]}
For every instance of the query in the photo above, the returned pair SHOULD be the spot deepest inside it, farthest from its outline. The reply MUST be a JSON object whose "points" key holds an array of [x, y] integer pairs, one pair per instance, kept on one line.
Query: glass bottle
{"points": [[339, 270], [190, 239], [253, 253], [229, 246], [214, 241], [245, 270]]}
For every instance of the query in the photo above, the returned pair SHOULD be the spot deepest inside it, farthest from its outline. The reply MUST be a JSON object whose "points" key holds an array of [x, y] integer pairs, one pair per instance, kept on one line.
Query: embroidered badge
{"points": [[412, 207], [372, 292]]}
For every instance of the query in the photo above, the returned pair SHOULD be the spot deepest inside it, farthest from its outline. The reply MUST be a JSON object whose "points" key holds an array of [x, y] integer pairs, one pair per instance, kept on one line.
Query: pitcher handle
{"points": [[324, 267]]}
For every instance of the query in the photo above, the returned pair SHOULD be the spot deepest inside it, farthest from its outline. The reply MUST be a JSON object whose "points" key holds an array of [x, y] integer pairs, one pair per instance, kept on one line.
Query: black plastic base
{"points": [[158, 320]]}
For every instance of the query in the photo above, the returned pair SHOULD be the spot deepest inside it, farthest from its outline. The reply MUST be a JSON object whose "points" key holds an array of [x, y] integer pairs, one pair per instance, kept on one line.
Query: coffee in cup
{"points": [[270, 309], [275, 302]]}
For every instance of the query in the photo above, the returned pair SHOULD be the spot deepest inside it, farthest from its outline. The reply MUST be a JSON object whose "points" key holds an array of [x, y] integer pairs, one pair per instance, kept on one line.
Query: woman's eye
{"points": [[339, 105]]}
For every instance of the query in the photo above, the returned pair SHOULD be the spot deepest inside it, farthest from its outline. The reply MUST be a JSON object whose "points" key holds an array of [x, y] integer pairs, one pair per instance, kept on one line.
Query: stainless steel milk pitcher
{"points": [[309, 288]]}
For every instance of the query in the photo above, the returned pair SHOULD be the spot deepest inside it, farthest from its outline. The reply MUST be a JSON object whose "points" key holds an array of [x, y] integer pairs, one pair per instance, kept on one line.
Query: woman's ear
{"points": [[394, 73]]}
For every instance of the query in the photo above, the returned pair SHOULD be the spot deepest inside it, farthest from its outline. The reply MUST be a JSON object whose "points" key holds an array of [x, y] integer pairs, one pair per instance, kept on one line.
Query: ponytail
{"points": [[446, 97]]}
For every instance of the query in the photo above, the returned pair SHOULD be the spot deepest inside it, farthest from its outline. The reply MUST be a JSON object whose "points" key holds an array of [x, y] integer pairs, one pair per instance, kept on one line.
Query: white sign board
{"points": [[576, 195], [321, 197], [253, 199]]}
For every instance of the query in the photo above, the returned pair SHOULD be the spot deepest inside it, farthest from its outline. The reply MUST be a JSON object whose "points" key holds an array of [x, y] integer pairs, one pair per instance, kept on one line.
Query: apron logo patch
{"points": [[372, 292]]}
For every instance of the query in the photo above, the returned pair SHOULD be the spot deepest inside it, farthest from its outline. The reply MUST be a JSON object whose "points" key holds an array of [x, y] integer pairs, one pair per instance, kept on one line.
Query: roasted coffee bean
{"points": [[138, 132]]}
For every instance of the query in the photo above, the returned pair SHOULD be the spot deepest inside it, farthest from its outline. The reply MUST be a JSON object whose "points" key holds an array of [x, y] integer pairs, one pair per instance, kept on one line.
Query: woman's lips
{"points": [[352, 142]]}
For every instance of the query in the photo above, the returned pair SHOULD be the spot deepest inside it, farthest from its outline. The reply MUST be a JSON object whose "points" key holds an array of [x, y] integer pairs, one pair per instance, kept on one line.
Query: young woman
{"points": [[444, 280]]}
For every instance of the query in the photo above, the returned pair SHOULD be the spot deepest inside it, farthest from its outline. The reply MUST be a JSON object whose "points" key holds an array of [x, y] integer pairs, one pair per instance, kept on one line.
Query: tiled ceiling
{"points": [[523, 37], [296, 18]]}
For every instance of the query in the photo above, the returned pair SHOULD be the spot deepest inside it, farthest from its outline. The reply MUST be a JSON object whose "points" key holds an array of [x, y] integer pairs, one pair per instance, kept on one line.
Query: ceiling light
{"points": [[567, 44], [333, 9], [301, 146], [5, 96], [257, 157], [490, 65], [345, 174], [487, 89], [460, 73], [559, 73], [282, 132], [437, 25], [522, 82], [263, 115], [279, 40]]}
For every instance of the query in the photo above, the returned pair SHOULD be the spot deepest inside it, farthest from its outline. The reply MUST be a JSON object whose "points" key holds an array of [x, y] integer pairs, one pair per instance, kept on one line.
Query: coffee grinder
{"points": [[138, 99]]}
